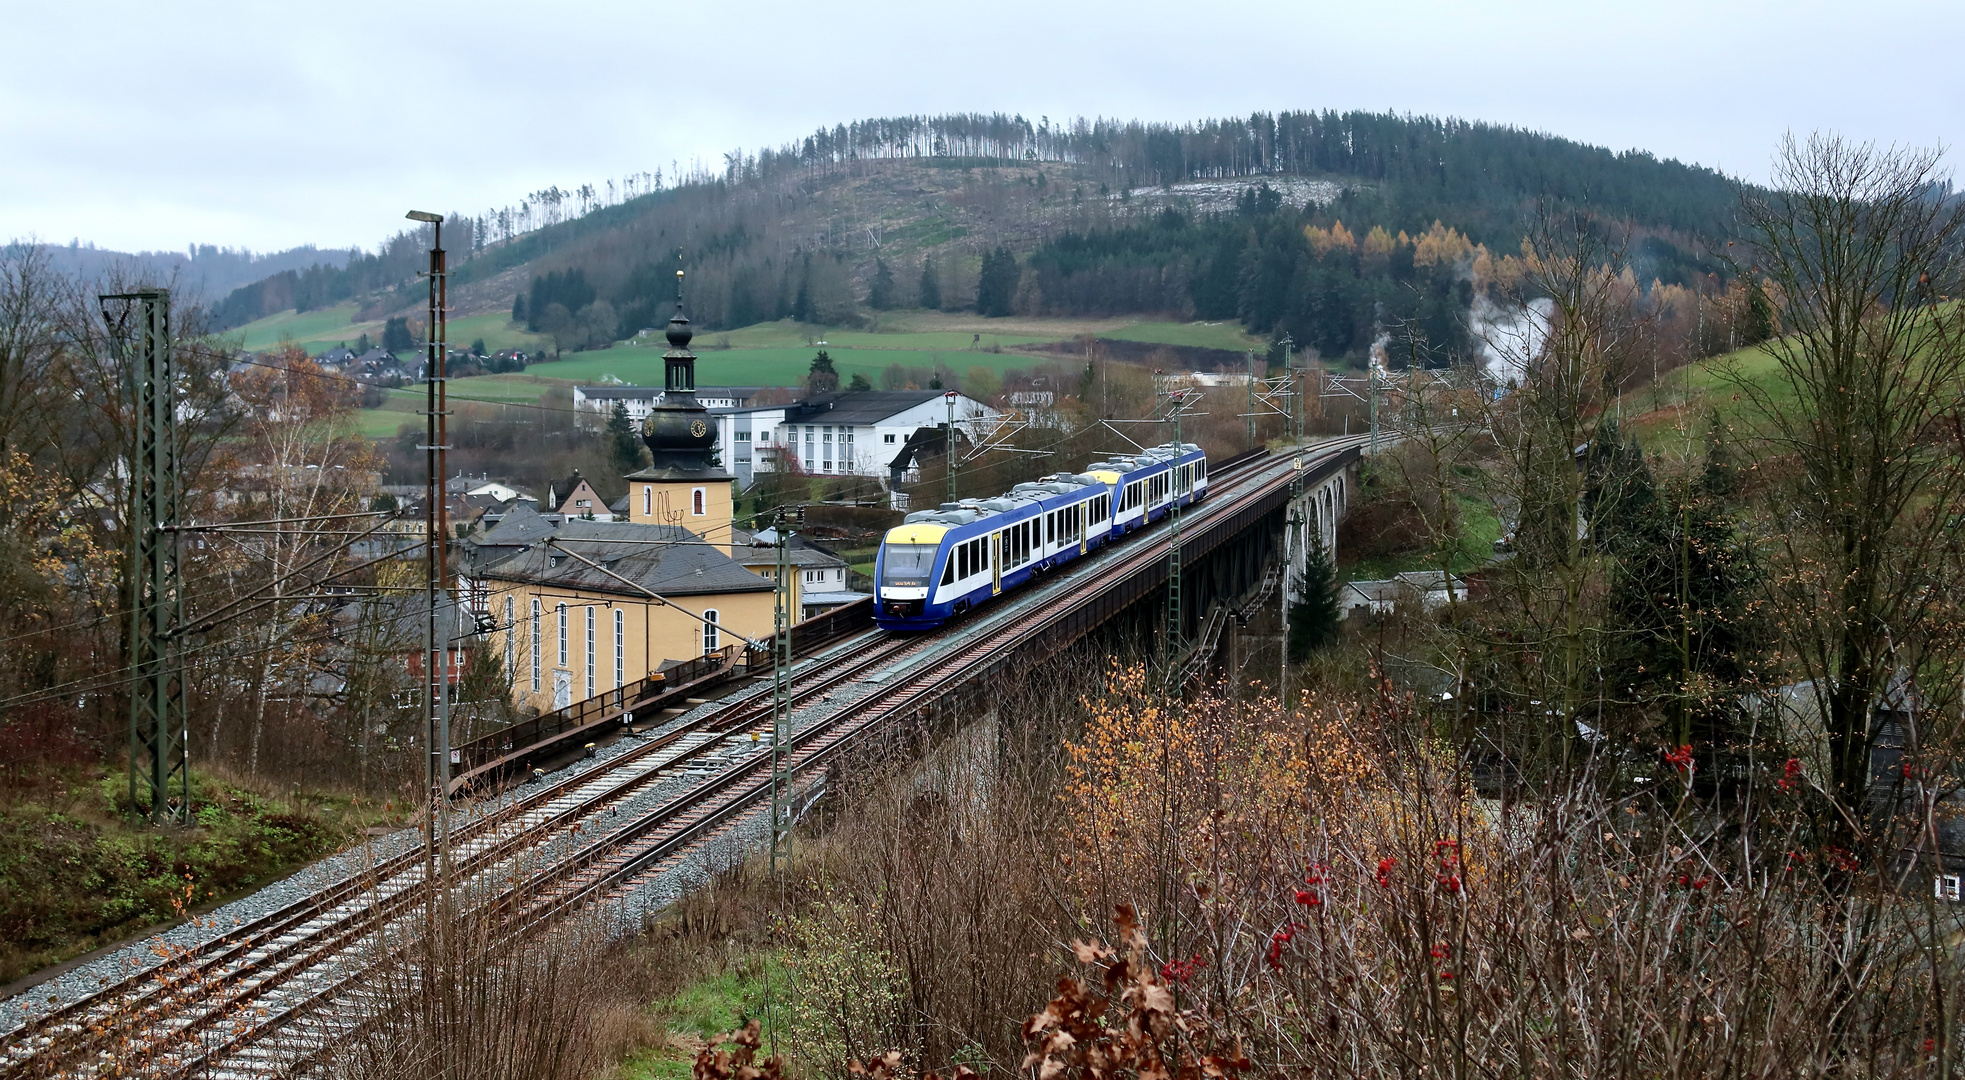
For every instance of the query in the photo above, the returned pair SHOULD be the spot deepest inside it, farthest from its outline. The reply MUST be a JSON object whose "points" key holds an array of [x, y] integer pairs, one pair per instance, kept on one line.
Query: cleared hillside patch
{"points": [[317, 331], [642, 365]]}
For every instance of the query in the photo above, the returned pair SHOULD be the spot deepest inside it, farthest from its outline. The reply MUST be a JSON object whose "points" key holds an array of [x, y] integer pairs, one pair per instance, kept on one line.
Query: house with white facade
{"points": [[600, 400], [855, 433]]}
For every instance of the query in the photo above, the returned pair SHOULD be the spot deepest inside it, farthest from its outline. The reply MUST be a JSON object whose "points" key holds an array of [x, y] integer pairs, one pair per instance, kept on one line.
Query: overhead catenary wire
{"points": [[207, 621]]}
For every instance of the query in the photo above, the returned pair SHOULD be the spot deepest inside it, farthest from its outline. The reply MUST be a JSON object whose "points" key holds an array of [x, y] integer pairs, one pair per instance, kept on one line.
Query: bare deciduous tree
{"points": [[1858, 428]]}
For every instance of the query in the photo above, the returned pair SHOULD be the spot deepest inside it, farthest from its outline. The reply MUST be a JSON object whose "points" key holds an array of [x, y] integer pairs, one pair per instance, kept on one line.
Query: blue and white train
{"points": [[940, 563]]}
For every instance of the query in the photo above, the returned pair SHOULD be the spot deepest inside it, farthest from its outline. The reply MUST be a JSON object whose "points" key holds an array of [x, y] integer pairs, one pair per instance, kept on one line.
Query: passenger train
{"points": [[940, 563]]}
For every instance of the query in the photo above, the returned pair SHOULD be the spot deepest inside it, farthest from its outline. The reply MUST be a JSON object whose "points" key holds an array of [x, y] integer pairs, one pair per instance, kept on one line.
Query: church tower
{"points": [[681, 487]]}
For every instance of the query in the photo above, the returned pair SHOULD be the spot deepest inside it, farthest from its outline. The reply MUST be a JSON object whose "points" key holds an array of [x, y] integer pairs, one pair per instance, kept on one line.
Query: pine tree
{"points": [[1680, 596], [395, 335], [1314, 616], [823, 377], [996, 289], [622, 444], [859, 382], [880, 297], [931, 286], [1618, 490], [518, 308], [801, 308], [1757, 322]]}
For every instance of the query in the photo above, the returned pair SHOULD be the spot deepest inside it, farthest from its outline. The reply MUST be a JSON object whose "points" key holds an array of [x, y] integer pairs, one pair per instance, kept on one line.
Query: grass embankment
{"points": [[74, 876], [1680, 403], [685, 1021]]}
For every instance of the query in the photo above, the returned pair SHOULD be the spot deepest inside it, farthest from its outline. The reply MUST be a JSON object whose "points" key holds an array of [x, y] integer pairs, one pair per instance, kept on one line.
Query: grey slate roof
{"points": [[701, 476], [858, 406], [665, 559], [763, 548], [830, 599], [522, 525], [404, 620]]}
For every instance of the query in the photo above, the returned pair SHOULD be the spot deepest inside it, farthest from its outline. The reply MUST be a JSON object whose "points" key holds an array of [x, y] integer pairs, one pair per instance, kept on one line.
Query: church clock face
{"points": [[697, 428]]}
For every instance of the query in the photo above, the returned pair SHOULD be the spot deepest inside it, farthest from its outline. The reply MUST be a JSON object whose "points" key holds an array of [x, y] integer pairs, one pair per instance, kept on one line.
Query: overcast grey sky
{"points": [[268, 125]]}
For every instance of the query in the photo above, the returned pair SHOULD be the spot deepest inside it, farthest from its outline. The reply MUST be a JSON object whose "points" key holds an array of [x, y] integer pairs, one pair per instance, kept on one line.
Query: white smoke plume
{"points": [[1510, 336]]}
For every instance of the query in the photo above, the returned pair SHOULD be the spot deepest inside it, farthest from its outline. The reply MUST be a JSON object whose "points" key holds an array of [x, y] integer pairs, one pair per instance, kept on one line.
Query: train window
{"points": [[948, 572], [962, 558], [907, 564]]}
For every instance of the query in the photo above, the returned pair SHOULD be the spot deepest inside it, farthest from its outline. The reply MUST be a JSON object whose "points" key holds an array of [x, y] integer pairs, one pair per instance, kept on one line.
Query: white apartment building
{"points": [[856, 433], [600, 400]]}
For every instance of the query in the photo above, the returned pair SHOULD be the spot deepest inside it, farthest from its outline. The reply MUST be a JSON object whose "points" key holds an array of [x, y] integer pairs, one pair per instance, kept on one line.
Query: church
{"points": [[583, 606]]}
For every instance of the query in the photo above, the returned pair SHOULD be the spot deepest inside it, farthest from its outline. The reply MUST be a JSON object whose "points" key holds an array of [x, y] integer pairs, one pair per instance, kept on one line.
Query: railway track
{"points": [[269, 997], [197, 983]]}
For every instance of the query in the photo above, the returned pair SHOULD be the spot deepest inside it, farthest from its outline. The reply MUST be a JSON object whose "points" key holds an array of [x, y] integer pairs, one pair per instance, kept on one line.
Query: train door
{"points": [[999, 547]]}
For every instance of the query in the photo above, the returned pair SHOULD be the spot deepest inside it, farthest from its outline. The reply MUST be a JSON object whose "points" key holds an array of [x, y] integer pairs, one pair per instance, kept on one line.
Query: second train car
{"points": [[940, 563]]}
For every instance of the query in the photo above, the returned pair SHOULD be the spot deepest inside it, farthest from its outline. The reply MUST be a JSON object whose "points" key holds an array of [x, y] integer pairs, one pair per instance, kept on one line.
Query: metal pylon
{"points": [[160, 772], [1176, 628], [781, 810]]}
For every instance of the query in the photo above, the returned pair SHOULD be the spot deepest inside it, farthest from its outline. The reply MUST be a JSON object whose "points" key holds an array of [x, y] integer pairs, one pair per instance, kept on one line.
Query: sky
{"points": [[265, 126]]}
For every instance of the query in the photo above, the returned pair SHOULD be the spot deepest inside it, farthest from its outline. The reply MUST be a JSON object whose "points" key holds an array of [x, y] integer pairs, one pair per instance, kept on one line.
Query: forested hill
{"points": [[1217, 219]]}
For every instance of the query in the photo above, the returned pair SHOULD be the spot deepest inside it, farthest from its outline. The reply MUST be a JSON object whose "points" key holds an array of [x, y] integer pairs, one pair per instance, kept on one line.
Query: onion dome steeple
{"points": [[679, 432]]}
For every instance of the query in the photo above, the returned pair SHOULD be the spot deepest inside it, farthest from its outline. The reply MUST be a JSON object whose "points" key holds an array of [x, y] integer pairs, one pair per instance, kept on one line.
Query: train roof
{"points": [[970, 511], [1145, 459]]}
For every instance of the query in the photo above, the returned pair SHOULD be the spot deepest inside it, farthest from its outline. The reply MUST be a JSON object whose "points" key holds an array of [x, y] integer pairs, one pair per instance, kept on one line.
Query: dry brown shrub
{"points": [[469, 1001], [1329, 891]]}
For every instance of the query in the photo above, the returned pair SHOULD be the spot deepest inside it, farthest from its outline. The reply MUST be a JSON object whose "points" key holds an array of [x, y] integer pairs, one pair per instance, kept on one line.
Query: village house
{"points": [[574, 497], [818, 577], [582, 607]]}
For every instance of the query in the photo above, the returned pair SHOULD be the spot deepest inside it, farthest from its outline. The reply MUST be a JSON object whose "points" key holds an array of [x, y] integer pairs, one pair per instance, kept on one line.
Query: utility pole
{"points": [[782, 520], [160, 768], [1289, 387], [1251, 412], [952, 458], [436, 525]]}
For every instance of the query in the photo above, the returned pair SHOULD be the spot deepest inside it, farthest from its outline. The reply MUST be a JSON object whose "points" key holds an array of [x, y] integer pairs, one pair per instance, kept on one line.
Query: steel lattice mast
{"points": [[160, 771]]}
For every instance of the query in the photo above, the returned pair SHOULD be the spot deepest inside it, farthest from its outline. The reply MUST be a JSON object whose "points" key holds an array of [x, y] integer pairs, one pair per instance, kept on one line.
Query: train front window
{"points": [[907, 564]]}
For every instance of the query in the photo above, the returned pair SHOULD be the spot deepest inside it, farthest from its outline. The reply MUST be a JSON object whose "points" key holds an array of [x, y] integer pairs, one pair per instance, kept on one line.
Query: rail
{"points": [[263, 977], [511, 749]]}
